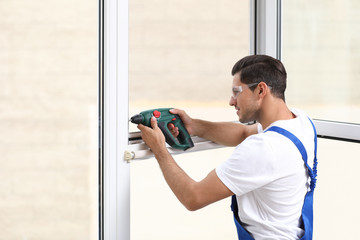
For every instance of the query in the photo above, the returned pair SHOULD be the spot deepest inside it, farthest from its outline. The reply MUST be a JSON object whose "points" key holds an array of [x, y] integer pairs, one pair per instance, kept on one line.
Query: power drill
{"points": [[164, 118]]}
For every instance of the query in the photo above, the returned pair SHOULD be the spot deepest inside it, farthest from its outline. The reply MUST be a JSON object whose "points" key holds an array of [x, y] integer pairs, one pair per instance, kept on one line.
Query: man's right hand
{"points": [[185, 118]]}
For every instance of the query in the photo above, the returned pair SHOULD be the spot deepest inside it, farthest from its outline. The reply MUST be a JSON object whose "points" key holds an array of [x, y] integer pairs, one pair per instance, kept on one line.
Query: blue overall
{"points": [[307, 210]]}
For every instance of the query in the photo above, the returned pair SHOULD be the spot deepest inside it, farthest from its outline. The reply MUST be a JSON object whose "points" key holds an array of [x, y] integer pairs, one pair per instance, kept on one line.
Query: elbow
{"points": [[192, 206], [193, 202]]}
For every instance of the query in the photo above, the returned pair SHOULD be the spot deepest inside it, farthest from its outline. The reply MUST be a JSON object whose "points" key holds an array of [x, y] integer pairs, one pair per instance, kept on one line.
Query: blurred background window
{"points": [[183, 51], [48, 119], [181, 54], [321, 51]]}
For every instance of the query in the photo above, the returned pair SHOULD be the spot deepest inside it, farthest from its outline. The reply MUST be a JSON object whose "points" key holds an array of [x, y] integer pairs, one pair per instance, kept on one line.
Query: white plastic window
{"points": [[321, 50], [165, 70], [180, 55], [321, 53]]}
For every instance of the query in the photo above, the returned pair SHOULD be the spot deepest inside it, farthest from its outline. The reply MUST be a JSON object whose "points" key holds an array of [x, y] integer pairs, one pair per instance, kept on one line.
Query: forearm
{"points": [[193, 195], [180, 183], [224, 133]]}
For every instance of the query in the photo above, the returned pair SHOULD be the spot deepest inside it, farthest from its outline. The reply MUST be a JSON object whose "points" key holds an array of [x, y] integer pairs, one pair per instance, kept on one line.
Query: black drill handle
{"points": [[184, 140]]}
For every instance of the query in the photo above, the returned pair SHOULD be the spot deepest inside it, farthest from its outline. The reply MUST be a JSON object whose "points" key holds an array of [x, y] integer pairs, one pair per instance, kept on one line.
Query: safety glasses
{"points": [[238, 89]]}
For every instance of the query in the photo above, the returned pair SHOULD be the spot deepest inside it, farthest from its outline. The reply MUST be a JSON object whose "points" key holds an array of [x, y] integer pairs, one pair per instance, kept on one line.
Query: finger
{"points": [[171, 126], [179, 112], [154, 124], [140, 127], [174, 111], [173, 130]]}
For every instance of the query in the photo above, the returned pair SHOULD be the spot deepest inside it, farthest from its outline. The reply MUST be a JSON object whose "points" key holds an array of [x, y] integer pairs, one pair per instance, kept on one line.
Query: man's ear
{"points": [[262, 89]]}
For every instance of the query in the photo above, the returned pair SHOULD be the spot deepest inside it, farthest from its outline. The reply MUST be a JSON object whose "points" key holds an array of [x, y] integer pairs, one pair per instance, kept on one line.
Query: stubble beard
{"points": [[248, 116]]}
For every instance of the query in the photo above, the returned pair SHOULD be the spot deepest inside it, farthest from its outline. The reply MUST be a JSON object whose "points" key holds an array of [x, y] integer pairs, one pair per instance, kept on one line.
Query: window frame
{"points": [[117, 147], [266, 38], [114, 172]]}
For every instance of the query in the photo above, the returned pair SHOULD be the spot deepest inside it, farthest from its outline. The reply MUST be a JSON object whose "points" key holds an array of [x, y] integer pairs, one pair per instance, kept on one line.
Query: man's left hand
{"points": [[153, 137]]}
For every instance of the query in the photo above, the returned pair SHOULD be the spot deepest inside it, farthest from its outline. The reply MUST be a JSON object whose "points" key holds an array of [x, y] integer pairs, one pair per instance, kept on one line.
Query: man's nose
{"points": [[232, 101]]}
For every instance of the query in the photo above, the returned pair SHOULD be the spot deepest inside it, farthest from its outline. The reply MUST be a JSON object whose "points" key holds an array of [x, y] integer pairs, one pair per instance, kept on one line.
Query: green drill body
{"points": [[164, 118]]}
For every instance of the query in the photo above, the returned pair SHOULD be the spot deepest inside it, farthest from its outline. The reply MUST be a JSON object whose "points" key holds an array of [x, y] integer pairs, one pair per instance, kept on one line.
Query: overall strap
{"points": [[312, 171], [315, 157], [242, 233]]}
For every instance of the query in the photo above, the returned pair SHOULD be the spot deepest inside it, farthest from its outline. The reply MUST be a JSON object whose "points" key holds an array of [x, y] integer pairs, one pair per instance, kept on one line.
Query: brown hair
{"points": [[262, 68]]}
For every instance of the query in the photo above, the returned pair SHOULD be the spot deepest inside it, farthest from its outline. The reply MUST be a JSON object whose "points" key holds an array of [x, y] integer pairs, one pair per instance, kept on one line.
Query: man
{"points": [[268, 171]]}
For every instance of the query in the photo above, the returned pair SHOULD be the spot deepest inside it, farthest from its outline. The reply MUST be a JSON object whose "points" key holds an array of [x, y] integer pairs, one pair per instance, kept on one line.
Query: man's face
{"points": [[244, 101]]}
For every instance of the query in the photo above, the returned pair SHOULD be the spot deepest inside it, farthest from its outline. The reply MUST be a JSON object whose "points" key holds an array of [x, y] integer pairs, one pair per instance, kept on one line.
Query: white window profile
{"points": [[114, 174], [265, 27], [265, 38]]}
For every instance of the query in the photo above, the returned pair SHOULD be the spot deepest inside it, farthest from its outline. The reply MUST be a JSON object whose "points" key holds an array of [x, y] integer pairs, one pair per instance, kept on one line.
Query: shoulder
{"points": [[300, 125], [255, 144], [255, 152]]}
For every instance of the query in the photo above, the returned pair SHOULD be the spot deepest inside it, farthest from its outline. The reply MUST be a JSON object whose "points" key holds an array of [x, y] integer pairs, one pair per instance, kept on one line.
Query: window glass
{"points": [[183, 51], [321, 51], [181, 55], [157, 214], [336, 199], [48, 74]]}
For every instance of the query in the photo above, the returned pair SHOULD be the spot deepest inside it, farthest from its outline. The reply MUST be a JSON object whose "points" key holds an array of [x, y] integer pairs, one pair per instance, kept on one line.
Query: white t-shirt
{"points": [[268, 176]]}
